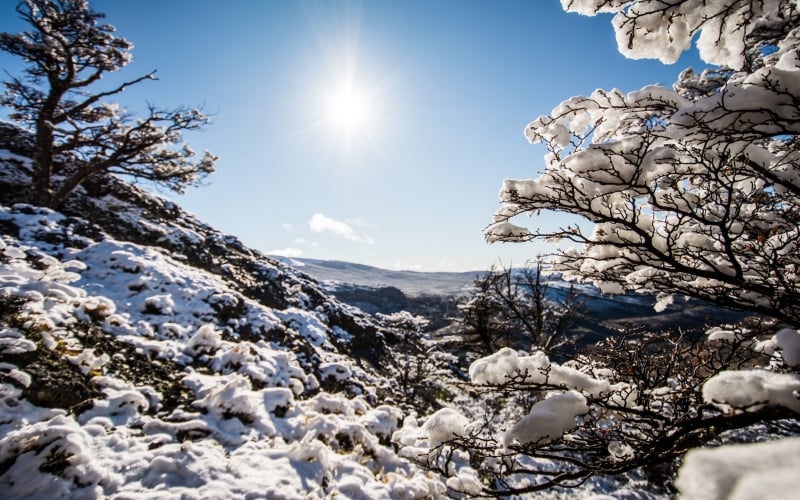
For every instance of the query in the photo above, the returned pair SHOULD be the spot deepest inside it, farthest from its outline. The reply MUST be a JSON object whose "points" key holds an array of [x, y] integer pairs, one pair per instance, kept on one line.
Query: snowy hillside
{"points": [[144, 354]]}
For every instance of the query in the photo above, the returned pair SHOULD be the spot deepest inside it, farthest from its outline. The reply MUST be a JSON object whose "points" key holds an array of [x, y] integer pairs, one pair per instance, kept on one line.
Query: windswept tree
{"points": [[692, 190], [78, 133]]}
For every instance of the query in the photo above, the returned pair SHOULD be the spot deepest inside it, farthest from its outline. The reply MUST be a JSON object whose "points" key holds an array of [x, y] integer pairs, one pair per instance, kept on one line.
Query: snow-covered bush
{"points": [[206, 340], [421, 368], [629, 403], [694, 191], [159, 304]]}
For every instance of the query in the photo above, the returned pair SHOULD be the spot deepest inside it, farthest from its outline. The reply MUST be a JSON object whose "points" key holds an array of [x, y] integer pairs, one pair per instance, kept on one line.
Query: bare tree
{"points": [[512, 303], [530, 302], [482, 312], [78, 133]]}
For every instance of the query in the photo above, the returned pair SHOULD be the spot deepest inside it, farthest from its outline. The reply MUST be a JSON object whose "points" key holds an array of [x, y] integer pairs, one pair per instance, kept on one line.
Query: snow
{"points": [[720, 334], [786, 342], [339, 372], [253, 406], [252, 379], [13, 342], [752, 389], [652, 29], [88, 362], [444, 425], [466, 482], [741, 472], [789, 342], [549, 419], [506, 365], [206, 340]]}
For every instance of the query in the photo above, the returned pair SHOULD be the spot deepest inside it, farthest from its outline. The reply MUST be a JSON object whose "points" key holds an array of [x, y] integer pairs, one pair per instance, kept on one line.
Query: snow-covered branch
{"points": [[632, 402], [693, 190]]}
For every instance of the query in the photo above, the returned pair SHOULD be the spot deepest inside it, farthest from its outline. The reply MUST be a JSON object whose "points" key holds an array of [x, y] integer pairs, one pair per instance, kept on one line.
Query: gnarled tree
{"points": [[78, 133]]}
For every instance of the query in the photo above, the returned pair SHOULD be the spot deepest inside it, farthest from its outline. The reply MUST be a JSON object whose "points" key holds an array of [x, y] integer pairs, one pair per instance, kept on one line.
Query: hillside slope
{"points": [[143, 353]]}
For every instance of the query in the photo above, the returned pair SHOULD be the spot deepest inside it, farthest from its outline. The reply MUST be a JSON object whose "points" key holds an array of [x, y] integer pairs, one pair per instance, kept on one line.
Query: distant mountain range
{"points": [[411, 283]]}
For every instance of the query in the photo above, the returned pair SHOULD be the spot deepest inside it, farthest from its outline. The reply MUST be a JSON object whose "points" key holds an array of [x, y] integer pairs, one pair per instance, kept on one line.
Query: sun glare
{"points": [[348, 109], [347, 95]]}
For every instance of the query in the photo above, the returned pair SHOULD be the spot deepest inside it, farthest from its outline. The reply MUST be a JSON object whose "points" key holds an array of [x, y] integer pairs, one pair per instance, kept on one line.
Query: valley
{"points": [[435, 296]]}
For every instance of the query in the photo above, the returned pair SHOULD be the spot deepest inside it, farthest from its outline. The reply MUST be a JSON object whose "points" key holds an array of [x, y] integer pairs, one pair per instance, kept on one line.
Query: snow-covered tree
{"points": [[691, 190], [419, 366], [78, 133]]}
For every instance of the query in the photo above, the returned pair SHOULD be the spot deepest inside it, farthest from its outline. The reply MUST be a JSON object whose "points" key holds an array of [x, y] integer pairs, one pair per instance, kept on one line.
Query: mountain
{"points": [[411, 283]]}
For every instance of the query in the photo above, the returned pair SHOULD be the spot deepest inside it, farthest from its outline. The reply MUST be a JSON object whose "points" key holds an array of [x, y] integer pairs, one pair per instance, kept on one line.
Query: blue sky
{"points": [[405, 173]]}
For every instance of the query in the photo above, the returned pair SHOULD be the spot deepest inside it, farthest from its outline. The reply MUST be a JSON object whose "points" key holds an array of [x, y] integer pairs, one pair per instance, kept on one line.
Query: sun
{"points": [[349, 112], [347, 98], [349, 109]]}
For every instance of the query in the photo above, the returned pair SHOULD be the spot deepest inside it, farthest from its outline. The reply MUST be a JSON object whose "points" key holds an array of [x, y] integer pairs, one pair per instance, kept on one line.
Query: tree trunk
{"points": [[43, 154], [42, 164]]}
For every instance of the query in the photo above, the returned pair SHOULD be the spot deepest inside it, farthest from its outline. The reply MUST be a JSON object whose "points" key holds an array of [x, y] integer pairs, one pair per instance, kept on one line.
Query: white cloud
{"points": [[359, 222], [287, 252], [320, 223], [288, 227]]}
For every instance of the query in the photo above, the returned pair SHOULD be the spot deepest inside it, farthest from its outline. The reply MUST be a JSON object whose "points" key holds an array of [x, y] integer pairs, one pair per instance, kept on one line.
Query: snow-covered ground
{"points": [[255, 423]]}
